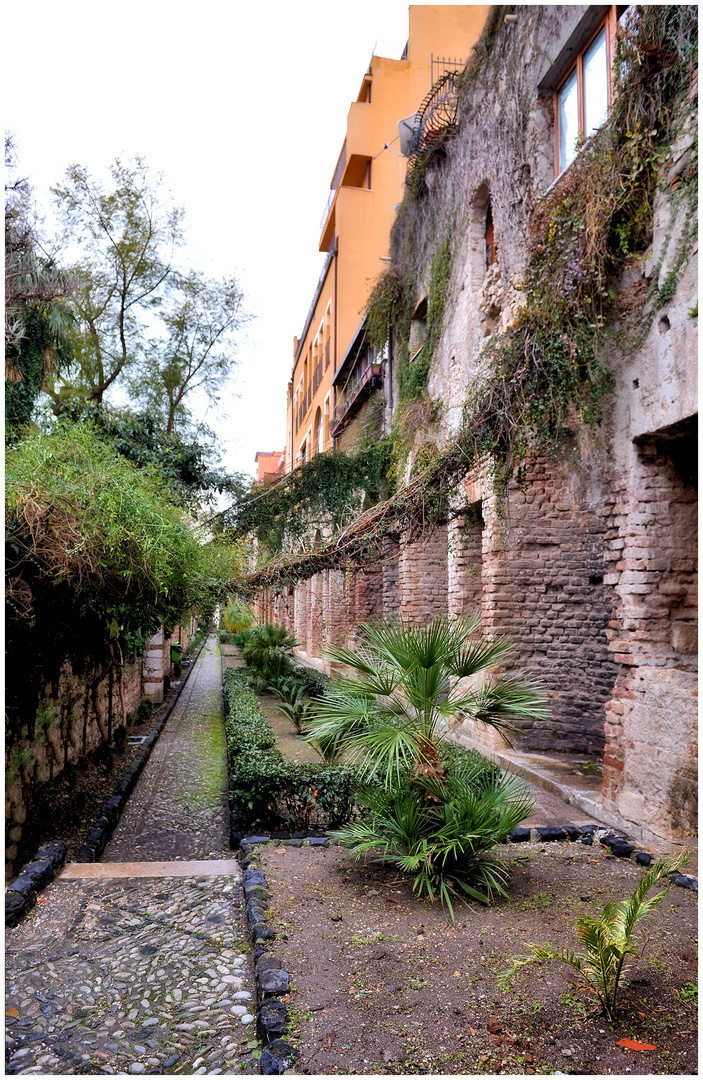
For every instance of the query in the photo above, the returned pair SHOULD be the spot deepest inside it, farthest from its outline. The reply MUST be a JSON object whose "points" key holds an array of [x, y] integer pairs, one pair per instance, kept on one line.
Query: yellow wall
{"points": [[361, 216]]}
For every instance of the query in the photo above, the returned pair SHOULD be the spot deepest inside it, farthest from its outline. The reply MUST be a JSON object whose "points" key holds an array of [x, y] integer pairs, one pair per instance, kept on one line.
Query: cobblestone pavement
{"points": [[116, 972], [179, 807]]}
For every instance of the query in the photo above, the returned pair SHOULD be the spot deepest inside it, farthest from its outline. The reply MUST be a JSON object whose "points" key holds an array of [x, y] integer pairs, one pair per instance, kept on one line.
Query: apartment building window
{"points": [[584, 94], [317, 437]]}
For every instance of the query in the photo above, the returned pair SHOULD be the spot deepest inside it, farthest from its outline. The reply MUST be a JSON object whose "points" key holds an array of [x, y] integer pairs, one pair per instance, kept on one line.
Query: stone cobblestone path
{"points": [[139, 963]]}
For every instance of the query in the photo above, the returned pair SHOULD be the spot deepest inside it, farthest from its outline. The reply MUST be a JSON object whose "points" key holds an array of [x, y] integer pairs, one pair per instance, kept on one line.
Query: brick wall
{"points": [[465, 562], [650, 759], [422, 577], [543, 574]]}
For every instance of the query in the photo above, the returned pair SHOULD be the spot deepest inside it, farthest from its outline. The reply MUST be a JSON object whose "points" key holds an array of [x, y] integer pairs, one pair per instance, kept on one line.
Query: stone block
{"points": [[277, 1057], [274, 981], [272, 1020]]}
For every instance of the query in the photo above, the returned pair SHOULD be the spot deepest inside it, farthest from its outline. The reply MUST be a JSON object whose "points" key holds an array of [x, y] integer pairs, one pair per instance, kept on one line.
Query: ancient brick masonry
{"points": [[422, 578], [590, 565], [650, 759]]}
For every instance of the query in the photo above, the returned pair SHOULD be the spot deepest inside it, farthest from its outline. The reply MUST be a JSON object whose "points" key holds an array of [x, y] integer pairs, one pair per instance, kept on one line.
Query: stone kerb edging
{"points": [[586, 834], [40, 871], [271, 981]]}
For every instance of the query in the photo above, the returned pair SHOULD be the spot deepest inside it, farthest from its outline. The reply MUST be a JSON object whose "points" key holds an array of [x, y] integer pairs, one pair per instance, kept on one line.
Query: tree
{"points": [[188, 467], [36, 317], [125, 236], [200, 316]]}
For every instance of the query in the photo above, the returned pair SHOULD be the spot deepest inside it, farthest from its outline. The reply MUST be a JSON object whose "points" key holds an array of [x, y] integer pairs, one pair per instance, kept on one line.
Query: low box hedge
{"points": [[269, 791]]}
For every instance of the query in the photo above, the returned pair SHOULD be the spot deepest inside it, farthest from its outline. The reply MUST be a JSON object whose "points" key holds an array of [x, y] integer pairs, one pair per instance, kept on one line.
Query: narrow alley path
{"points": [[138, 964]]}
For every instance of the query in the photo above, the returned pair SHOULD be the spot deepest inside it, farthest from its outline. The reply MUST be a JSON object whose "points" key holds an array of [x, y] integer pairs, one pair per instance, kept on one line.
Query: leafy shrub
{"points": [[314, 683], [145, 710], [270, 791]]}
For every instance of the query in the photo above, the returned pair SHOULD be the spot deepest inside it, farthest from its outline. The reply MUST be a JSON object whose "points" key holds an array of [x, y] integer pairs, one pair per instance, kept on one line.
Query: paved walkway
{"points": [[139, 963]]}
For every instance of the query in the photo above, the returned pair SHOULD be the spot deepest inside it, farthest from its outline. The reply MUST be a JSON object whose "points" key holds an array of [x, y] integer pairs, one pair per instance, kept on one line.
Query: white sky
{"points": [[243, 108]]}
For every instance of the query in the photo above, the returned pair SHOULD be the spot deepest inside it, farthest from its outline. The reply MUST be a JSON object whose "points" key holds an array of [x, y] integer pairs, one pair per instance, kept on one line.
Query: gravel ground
{"points": [[140, 974]]}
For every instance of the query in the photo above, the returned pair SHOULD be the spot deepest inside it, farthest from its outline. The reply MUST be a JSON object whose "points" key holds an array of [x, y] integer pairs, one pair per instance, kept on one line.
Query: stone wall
{"points": [[74, 719], [77, 716], [590, 564]]}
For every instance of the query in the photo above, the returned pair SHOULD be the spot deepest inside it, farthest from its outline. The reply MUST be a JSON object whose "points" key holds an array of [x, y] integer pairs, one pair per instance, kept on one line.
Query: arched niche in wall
{"points": [[418, 328], [483, 247]]}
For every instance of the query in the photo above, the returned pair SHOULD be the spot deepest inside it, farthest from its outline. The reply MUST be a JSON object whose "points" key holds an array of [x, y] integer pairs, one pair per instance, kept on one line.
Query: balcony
{"points": [[343, 413], [436, 119], [335, 184]]}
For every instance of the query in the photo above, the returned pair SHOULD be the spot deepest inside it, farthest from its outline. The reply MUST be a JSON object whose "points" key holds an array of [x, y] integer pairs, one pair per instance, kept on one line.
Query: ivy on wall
{"points": [[551, 364], [323, 495]]}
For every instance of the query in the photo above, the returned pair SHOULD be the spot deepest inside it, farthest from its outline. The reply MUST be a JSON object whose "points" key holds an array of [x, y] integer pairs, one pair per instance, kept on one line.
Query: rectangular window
{"points": [[583, 98]]}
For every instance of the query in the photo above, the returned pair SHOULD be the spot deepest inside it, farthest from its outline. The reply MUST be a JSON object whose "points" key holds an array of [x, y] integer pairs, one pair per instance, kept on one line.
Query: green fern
{"points": [[606, 941]]}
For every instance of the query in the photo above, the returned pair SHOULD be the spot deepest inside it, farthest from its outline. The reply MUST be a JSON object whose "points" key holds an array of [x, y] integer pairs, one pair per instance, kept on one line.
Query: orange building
{"points": [[269, 464], [333, 369]]}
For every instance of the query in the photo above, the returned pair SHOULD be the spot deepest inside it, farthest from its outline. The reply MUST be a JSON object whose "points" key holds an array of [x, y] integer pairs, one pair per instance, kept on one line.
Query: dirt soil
{"points": [[385, 983]]}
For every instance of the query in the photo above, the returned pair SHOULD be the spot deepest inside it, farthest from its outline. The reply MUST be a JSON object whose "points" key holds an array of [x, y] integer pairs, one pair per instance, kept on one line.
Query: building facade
{"points": [[588, 560], [366, 187]]}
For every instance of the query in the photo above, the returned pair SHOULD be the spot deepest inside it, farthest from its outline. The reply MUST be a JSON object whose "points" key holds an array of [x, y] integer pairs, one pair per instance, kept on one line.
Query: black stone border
{"points": [[271, 981], [587, 834], [41, 870]]}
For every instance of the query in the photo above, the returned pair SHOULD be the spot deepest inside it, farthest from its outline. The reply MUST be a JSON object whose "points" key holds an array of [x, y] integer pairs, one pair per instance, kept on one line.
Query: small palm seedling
{"points": [[292, 694], [607, 941]]}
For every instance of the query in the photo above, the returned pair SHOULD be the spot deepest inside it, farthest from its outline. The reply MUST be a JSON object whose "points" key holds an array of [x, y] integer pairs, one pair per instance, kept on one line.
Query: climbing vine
{"points": [[325, 494], [550, 366]]}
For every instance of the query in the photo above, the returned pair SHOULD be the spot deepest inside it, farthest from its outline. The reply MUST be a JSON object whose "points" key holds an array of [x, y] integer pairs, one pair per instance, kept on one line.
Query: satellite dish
{"points": [[405, 132]]}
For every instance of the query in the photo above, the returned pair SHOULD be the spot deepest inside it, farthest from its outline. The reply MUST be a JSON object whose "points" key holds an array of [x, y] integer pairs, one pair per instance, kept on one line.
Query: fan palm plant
{"points": [[432, 810], [408, 691], [607, 941], [266, 649], [236, 617]]}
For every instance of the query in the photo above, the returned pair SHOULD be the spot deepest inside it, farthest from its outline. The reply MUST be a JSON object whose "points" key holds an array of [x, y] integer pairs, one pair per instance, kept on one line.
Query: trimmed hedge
{"points": [[313, 682], [269, 791]]}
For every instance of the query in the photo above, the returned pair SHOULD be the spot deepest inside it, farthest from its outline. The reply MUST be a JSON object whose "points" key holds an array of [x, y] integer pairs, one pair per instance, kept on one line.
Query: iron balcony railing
{"points": [[436, 117], [370, 379]]}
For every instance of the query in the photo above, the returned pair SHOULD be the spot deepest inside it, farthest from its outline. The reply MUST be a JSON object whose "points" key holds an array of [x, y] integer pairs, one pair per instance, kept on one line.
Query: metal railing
{"points": [[436, 117], [342, 411]]}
